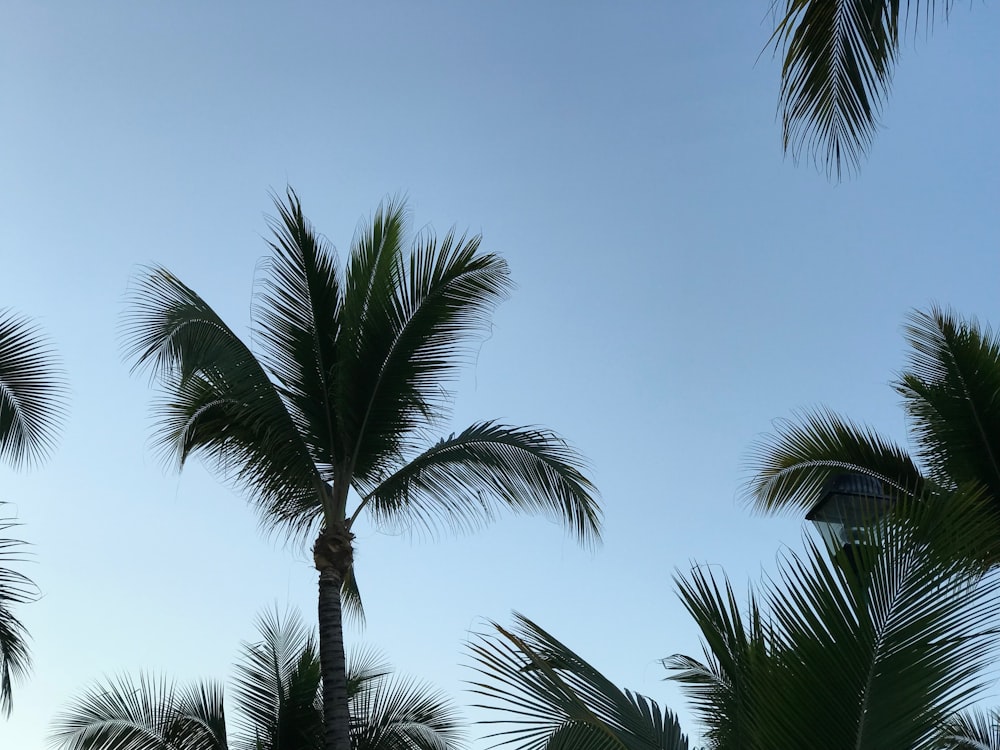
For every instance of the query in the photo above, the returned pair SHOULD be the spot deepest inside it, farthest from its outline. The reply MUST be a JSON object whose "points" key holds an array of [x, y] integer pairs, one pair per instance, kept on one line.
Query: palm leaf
{"points": [[276, 686], [32, 392], [460, 482], [871, 652], [15, 589], [218, 402], [971, 730], [392, 713], [297, 319], [793, 466], [550, 698], [122, 714], [951, 392], [409, 336]]}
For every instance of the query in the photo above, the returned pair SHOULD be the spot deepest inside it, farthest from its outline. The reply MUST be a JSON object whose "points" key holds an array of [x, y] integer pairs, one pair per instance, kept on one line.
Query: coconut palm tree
{"points": [[838, 60], [827, 655], [322, 425], [31, 410], [278, 705], [948, 388]]}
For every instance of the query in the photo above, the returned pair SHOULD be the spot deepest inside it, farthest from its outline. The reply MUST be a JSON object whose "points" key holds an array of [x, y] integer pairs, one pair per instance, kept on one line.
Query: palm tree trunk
{"points": [[333, 554], [336, 717]]}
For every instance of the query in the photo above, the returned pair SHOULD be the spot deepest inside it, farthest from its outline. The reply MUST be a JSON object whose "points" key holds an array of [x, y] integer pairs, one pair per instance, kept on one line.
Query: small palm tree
{"points": [[871, 655], [278, 704], [972, 730], [31, 410], [949, 390], [322, 426], [838, 60]]}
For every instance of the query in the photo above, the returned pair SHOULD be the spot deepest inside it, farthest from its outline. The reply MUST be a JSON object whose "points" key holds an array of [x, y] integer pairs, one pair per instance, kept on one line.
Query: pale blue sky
{"points": [[680, 285]]}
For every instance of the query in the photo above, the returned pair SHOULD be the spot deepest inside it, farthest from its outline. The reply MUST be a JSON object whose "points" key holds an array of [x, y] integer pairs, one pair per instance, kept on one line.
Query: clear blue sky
{"points": [[680, 285]]}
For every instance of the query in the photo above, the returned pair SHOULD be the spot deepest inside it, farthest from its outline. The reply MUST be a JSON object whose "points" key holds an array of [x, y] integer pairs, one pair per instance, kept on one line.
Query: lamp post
{"points": [[851, 503]]}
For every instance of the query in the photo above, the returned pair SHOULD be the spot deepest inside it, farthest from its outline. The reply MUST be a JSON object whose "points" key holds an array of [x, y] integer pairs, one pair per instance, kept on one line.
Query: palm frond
{"points": [[32, 392], [296, 316], [971, 730], [951, 392], [549, 697], [792, 466], [876, 650], [277, 683], [393, 713], [219, 403], [462, 480], [123, 714], [409, 341], [15, 589]]}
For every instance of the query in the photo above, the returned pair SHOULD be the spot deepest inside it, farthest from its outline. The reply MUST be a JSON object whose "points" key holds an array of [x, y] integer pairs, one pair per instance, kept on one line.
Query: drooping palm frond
{"points": [[549, 698], [873, 650], [124, 714], [793, 465], [297, 318], [443, 294], [393, 713], [951, 392], [971, 730], [838, 59], [15, 589], [218, 401], [461, 481], [277, 686], [32, 392]]}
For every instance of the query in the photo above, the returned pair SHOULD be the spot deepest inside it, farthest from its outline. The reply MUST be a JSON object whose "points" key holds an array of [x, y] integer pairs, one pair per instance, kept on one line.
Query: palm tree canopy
{"points": [[347, 383], [971, 730], [869, 651], [32, 391], [949, 389], [549, 698], [277, 695], [837, 63]]}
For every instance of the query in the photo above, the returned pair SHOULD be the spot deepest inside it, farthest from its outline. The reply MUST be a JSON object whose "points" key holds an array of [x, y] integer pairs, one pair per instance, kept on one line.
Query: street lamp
{"points": [[851, 503]]}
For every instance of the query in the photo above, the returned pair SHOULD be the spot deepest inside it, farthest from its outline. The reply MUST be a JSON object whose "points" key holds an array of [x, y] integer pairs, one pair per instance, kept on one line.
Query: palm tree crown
{"points": [[347, 381]]}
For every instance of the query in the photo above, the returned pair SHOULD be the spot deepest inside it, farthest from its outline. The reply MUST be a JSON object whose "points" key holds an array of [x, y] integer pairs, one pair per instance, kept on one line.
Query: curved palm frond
{"points": [[297, 317], [951, 392], [122, 714], [218, 401], [276, 686], [872, 651], [15, 589], [793, 465], [392, 713], [552, 699], [972, 730], [441, 296], [32, 392], [460, 480]]}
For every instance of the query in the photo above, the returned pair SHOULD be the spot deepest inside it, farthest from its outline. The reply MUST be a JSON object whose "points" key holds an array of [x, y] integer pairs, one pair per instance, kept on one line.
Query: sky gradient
{"points": [[680, 285]]}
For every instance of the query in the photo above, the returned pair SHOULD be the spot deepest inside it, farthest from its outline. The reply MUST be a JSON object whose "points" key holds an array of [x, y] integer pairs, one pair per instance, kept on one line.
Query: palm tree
{"points": [[278, 702], [348, 378], [838, 59], [949, 392], [31, 410], [549, 698], [825, 656]]}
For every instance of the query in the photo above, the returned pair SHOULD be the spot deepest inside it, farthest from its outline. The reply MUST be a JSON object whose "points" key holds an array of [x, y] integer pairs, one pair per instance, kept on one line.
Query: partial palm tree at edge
{"points": [[348, 379]]}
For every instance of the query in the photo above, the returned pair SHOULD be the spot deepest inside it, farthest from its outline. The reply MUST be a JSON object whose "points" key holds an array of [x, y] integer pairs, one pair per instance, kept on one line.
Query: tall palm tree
{"points": [[838, 59], [347, 380], [949, 390], [278, 704], [825, 656], [31, 409]]}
